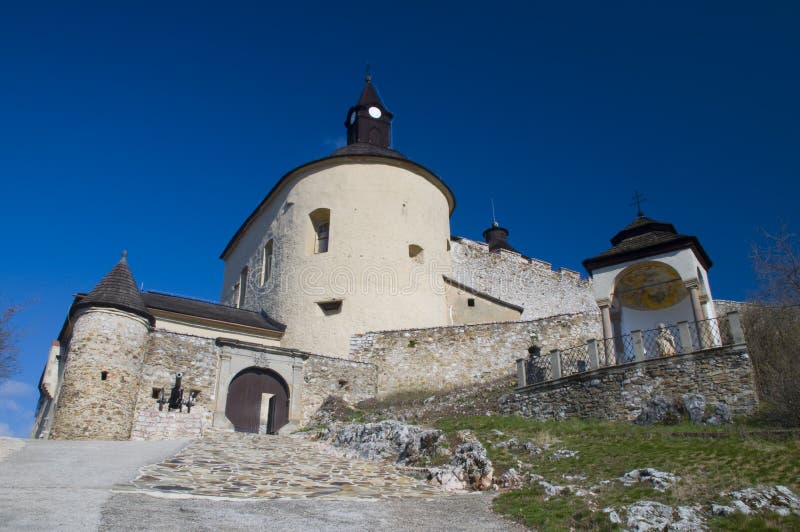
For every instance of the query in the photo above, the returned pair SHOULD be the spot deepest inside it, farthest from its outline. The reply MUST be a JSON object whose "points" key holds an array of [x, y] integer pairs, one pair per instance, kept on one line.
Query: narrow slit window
{"points": [[266, 266], [241, 293], [103, 375]]}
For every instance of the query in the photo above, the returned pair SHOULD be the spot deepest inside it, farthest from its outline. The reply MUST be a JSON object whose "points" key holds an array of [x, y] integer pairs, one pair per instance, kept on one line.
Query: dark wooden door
{"points": [[243, 406]]}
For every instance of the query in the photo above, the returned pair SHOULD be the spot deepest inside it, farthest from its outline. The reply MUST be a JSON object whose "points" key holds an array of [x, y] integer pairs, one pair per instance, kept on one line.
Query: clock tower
{"points": [[368, 121]]}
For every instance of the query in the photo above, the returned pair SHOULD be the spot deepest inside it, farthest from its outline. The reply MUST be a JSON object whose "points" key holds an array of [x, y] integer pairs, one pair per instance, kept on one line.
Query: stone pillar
{"points": [[296, 401], [522, 377], [638, 345], [693, 286], [685, 336], [223, 381], [735, 326], [594, 359], [555, 364], [605, 310]]}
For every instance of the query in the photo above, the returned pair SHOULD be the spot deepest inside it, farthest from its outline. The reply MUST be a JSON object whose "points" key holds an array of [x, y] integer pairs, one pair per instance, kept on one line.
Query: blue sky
{"points": [[158, 127]]}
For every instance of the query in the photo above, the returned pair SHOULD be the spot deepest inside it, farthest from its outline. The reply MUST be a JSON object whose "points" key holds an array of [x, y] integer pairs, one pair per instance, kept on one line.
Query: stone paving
{"points": [[236, 465]]}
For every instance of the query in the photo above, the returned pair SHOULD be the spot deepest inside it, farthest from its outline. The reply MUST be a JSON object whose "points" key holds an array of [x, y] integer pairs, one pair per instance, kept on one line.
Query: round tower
{"points": [[355, 242], [107, 338]]}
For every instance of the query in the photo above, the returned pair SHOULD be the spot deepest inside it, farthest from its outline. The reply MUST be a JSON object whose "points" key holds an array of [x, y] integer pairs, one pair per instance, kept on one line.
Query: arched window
{"points": [[321, 224], [266, 263]]}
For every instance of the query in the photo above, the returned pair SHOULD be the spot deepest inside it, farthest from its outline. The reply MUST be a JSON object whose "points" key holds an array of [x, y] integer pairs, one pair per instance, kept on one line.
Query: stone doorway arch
{"points": [[258, 401]]}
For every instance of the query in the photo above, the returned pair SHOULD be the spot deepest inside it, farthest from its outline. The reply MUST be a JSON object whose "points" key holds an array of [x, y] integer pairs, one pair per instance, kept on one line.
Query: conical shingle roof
{"points": [[117, 290]]}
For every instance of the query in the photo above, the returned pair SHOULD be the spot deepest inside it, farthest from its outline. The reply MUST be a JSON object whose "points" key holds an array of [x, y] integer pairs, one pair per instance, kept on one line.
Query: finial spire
{"points": [[494, 218], [124, 255], [638, 199], [368, 73]]}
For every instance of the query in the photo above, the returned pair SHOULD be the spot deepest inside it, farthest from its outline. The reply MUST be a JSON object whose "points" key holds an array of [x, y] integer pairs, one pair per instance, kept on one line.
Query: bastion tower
{"points": [[106, 337], [357, 241]]}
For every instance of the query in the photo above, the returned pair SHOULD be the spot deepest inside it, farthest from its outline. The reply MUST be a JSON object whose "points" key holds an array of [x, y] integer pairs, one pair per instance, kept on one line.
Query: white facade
{"points": [[387, 251]]}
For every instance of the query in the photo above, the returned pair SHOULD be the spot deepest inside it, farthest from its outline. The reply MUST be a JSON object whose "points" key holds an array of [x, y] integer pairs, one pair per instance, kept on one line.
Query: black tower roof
{"points": [[497, 238], [368, 126], [644, 237], [117, 290]]}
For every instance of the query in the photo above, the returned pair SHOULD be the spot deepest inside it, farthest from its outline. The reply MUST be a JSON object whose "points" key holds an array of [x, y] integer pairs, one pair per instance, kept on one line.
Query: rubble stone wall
{"points": [[168, 353], [155, 425], [103, 364], [529, 283], [446, 357], [325, 376], [723, 375]]}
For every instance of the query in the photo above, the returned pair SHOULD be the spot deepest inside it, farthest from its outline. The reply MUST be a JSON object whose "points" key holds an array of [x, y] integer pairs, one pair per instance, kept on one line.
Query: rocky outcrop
{"points": [[411, 445], [776, 499], [660, 480], [694, 407], [385, 440]]}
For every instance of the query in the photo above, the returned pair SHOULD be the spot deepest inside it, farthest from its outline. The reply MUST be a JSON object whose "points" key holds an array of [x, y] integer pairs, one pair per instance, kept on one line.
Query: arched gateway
{"points": [[258, 401]]}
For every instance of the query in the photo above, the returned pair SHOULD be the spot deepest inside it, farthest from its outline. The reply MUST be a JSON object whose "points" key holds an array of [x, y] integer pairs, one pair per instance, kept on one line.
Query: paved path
{"points": [[223, 482], [62, 485], [235, 465]]}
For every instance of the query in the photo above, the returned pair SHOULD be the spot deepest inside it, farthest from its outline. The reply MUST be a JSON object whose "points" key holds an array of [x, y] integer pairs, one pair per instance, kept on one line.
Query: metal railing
{"points": [[667, 340]]}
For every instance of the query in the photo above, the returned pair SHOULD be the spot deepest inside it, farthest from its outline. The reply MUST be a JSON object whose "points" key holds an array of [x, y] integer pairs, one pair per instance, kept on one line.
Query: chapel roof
{"points": [[644, 237], [116, 290]]}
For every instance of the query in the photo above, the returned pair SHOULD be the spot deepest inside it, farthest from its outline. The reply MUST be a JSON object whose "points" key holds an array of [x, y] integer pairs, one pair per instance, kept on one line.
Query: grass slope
{"points": [[709, 461]]}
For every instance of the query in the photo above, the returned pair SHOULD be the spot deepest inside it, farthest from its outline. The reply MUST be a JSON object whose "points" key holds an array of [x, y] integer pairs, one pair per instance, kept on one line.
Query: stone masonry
{"points": [[168, 353], [618, 393], [325, 376], [98, 394], [445, 357], [529, 283]]}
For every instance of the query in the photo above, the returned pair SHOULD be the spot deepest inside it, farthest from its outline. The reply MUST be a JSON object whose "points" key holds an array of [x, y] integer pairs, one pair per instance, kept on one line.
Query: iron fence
{"points": [[664, 341]]}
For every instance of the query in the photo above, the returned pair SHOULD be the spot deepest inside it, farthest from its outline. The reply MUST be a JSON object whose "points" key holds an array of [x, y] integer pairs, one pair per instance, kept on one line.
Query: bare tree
{"points": [[777, 266], [8, 348], [772, 327]]}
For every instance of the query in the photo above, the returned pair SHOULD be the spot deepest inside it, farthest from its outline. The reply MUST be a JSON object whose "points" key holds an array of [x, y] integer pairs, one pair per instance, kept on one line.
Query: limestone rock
{"points": [[445, 478], [471, 460], [392, 440], [661, 480], [777, 499], [644, 516], [511, 479], [671, 410]]}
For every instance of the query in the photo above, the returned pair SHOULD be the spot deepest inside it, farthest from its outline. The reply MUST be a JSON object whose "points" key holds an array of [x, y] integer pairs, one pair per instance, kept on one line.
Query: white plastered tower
{"points": [[351, 243]]}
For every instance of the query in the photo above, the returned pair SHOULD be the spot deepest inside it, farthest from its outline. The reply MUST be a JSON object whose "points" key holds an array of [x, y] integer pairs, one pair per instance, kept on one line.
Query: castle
{"points": [[345, 280]]}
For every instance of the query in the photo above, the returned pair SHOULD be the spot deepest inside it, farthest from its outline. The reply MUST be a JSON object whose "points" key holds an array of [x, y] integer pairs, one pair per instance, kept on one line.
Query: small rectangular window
{"points": [[330, 307], [470, 302]]}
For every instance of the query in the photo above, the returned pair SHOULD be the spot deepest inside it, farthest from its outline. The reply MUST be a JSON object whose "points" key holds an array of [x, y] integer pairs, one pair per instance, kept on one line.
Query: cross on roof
{"points": [[638, 199]]}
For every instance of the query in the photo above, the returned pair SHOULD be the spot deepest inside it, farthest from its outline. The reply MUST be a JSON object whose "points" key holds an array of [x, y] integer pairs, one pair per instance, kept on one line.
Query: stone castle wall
{"points": [[529, 283], [103, 342], [325, 376], [168, 353], [445, 357], [619, 392]]}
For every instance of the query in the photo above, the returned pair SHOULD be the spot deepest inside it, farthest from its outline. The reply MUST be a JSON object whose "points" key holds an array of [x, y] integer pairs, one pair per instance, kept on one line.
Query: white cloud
{"points": [[5, 430], [17, 389], [9, 405]]}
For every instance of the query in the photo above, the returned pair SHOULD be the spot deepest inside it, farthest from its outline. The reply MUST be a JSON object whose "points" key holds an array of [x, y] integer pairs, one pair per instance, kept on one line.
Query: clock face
{"points": [[374, 112]]}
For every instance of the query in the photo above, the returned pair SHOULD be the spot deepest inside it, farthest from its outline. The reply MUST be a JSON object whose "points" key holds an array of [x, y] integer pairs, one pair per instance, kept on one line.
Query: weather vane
{"points": [[638, 199]]}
